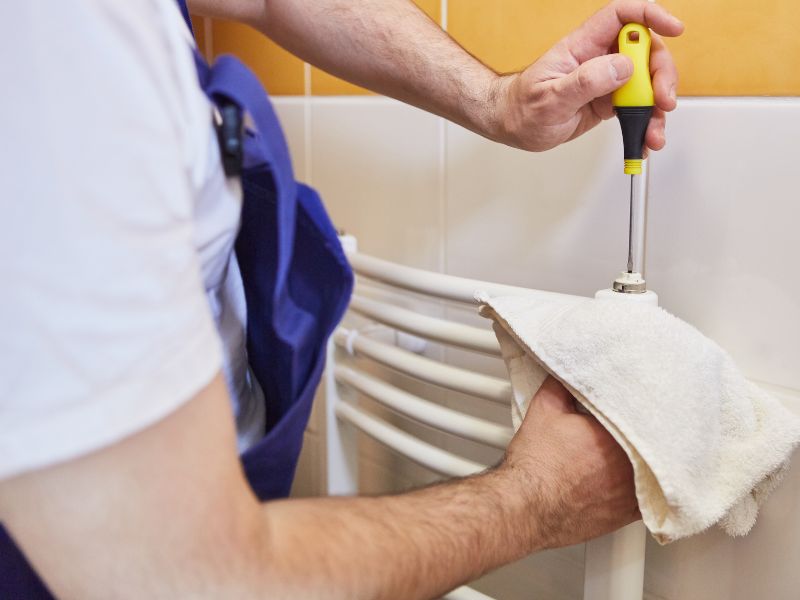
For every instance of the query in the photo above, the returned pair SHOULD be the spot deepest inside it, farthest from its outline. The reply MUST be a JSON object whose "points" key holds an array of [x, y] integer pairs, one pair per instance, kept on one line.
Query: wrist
{"points": [[484, 104], [524, 505], [500, 113]]}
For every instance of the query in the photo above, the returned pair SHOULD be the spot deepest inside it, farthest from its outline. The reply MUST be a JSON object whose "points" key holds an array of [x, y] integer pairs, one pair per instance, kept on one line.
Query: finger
{"points": [[664, 74], [655, 137], [593, 79], [603, 108], [599, 33], [553, 397]]}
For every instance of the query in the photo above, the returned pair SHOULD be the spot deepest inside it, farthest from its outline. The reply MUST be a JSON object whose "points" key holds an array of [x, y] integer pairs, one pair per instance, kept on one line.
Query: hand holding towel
{"points": [[707, 446]]}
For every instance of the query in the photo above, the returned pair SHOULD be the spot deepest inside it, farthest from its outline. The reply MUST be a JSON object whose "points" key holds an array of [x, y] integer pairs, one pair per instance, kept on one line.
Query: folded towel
{"points": [[707, 446]]}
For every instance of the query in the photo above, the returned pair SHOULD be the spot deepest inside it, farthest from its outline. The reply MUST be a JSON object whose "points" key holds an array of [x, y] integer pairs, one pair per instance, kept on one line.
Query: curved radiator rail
{"points": [[439, 285], [440, 330], [425, 369], [425, 411], [429, 456]]}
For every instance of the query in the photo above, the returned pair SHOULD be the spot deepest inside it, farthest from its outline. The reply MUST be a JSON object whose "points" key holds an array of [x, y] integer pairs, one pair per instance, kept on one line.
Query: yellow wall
{"points": [[730, 47], [280, 72], [738, 48]]}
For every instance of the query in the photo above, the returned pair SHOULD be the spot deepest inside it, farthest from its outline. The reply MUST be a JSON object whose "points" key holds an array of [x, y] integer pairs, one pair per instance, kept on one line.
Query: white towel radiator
{"points": [[614, 564]]}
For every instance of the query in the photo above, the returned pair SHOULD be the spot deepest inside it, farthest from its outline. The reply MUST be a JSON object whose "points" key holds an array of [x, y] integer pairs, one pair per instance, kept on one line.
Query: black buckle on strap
{"points": [[229, 123]]}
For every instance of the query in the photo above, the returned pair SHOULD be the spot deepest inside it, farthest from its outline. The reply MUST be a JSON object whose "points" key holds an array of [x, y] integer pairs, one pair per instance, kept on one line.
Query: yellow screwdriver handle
{"points": [[634, 42], [633, 102]]}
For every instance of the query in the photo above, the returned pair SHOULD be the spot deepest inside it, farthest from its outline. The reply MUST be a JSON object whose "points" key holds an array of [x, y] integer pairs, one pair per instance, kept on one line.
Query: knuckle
{"points": [[618, 4], [538, 95], [584, 81], [547, 104]]}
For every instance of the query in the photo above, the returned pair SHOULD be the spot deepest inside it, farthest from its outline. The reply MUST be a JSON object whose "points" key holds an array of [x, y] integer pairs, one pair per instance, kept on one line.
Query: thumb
{"points": [[593, 79], [553, 397]]}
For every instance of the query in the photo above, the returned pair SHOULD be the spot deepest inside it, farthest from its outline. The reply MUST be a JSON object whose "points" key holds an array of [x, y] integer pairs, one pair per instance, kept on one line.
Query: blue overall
{"points": [[297, 284]]}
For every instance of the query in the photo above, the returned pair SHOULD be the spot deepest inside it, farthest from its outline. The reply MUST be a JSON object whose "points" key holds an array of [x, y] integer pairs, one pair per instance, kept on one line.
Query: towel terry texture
{"points": [[707, 446]]}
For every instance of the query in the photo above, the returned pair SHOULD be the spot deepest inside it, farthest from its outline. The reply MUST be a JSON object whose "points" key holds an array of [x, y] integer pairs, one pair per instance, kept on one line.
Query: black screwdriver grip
{"points": [[634, 121]]}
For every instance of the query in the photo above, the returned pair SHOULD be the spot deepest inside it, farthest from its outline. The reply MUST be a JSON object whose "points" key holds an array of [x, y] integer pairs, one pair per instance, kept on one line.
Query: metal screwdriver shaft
{"points": [[636, 225], [630, 231]]}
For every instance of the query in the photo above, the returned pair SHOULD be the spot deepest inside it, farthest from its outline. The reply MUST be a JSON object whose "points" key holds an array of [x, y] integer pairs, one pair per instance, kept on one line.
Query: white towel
{"points": [[707, 446]]}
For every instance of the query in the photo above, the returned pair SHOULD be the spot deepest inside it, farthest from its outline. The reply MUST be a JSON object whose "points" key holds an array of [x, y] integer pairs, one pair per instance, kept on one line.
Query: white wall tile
{"points": [[376, 477], [556, 220], [714, 566], [375, 163], [549, 575], [308, 478], [723, 229]]}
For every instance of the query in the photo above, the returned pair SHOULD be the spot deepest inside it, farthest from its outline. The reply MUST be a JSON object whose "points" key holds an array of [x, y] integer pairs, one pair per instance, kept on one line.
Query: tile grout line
{"points": [[442, 167], [306, 79], [442, 191], [208, 35]]}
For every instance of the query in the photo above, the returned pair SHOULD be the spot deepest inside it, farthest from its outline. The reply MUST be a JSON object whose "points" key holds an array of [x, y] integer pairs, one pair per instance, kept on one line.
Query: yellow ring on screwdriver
{"points": [[633, 166]]}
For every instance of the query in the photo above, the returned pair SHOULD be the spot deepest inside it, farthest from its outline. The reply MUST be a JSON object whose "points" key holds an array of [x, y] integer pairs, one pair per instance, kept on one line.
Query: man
{"points": [[122, 347]]}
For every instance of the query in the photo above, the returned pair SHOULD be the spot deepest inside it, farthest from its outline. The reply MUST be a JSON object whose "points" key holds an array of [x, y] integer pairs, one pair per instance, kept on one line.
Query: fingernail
{"points": [[621, 67], [672, 94]]}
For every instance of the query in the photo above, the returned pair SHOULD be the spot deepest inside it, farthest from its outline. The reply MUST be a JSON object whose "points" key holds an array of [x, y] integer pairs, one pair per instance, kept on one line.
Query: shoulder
{"points": [[104, 317]]}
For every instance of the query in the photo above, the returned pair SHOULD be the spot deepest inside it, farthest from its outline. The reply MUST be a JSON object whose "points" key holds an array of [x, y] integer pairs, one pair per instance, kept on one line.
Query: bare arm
{"points": [[166, 513], [392, 47]]}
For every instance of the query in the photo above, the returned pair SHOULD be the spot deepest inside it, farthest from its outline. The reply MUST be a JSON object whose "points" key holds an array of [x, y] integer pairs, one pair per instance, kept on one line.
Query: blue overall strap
{"points": [[296, 279], [229, 80], [278, 353]]}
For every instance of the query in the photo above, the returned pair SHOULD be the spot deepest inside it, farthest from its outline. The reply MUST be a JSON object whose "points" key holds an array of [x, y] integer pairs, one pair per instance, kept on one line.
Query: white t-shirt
{"points": [[120, 297]]}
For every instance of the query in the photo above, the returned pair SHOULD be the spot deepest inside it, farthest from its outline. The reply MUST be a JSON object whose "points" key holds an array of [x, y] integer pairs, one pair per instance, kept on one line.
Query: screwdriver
{"points": [[633, 104]]}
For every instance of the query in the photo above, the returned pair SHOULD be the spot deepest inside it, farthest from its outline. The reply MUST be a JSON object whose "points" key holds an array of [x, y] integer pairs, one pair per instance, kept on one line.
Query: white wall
{"points": [[724, 218]]}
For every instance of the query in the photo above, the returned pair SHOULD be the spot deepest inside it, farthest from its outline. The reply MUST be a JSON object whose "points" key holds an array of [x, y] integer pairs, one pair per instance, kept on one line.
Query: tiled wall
{"points": [[730, 47], [722, 253], [722, 231]]}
